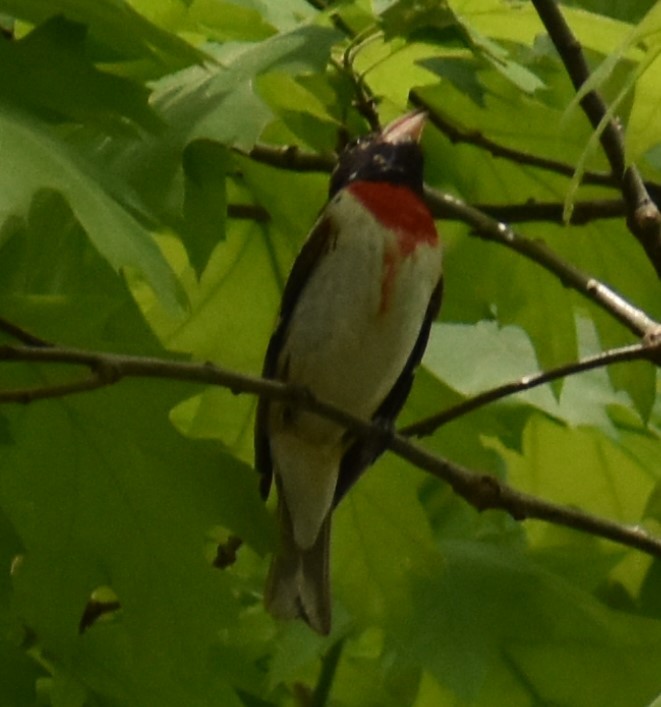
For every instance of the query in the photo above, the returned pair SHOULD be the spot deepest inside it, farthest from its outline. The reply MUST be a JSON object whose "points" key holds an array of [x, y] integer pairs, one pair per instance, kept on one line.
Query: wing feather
{"points": [[317, 243]]}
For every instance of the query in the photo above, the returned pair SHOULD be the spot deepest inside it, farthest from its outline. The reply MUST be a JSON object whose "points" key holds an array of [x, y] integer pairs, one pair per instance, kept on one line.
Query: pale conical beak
{"points": [[407, 128]]}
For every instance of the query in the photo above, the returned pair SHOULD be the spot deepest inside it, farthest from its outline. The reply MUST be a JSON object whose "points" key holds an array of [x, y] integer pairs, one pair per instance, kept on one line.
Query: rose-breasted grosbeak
{"points": [[354, 322]]}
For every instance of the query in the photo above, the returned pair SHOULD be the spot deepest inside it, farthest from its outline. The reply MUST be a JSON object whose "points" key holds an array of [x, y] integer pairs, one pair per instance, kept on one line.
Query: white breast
{"points": [[343, 343]]}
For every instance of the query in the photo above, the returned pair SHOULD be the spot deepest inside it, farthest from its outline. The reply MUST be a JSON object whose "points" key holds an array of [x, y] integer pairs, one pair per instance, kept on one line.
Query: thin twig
{"points": [[644, 218], [321, 695], [290, 157], [430, 424], [458, 134], [44, 392], [582, 213], [480, 490], [20, 334], [248, 212], [365, 102]]}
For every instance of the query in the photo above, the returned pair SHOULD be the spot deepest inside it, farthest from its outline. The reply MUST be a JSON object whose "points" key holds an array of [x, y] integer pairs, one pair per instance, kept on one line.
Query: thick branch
{"points": [[480, 490], [647, 350], [643, 219]]}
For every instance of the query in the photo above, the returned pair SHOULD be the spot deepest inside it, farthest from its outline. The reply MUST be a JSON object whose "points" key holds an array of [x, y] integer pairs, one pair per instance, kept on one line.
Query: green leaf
{"points": [[35, 160], [217, 103], [304, 113], [499, 58], [380, 536], [111, 495], [88, 516], [122, 31], [642, 130], [607, 480], [205, 199], [60, 286], [462, 72], [129, 489], [18, 675], [509, 630], [227, 21], [49, 72], [404, 18]]}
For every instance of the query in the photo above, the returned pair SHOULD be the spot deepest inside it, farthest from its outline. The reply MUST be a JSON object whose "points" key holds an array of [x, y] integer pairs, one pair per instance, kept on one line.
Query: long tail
{"points": [[298, 584]]}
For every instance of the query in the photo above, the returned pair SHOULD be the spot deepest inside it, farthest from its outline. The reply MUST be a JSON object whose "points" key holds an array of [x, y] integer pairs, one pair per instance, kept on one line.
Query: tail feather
{"points": [[298, 584]]}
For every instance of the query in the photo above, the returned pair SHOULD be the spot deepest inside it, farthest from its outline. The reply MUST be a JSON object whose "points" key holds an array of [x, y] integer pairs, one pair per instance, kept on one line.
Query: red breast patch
{"points": [[400, 210]]}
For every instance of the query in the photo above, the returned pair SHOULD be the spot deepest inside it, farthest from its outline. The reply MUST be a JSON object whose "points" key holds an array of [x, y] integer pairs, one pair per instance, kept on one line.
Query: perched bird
{"points": [[354, 321]]}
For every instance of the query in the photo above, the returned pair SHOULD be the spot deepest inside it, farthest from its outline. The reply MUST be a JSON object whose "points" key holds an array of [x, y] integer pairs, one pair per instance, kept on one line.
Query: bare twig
{"points": [[20, 334], [248, 212], [290, 157], [646, 350], [553, 212], [321, 695], [365, 101], [458, 134], [480, 490], [644, 218], [485, 227], [58, 390]]}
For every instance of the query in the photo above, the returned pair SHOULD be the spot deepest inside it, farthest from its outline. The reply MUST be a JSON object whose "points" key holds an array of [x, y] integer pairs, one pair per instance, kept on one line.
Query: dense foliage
{"points": [[134, 221]]}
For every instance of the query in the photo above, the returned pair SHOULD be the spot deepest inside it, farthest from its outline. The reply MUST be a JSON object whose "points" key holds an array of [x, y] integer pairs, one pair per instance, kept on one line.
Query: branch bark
{"points": [[490, 229], [643, 216], [553, 212], [458, 134], [483, 491]]}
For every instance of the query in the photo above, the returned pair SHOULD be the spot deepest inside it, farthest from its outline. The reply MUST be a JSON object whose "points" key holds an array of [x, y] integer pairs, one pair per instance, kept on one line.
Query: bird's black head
{"points": [[392, 156]]}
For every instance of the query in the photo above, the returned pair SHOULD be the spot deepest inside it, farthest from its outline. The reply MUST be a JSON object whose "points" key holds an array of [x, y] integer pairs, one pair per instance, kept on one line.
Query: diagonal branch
{"points": [[647, 350], [485, 227], [483, 491], [643, 218]]}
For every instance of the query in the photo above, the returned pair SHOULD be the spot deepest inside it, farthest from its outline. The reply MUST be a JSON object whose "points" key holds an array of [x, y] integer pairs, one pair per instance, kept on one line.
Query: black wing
{"points": [[319, 241], [362, 453]]}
